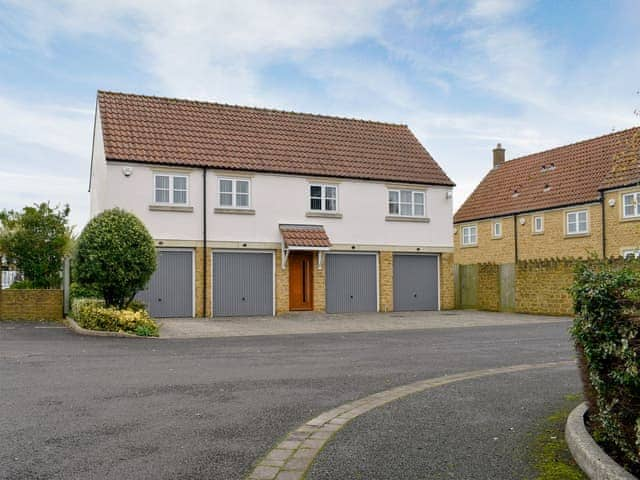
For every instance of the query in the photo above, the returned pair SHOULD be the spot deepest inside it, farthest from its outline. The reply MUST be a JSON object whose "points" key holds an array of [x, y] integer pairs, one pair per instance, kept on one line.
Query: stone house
{"points": [[572, 201], [259, 212]]}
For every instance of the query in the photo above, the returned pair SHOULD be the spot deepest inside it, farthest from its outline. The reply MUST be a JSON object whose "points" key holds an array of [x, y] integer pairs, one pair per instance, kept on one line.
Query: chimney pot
{"points": [[498, 155]]}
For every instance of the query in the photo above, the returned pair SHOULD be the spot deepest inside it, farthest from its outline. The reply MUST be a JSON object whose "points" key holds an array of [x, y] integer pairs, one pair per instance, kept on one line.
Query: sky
{"points": [[463, 75]]}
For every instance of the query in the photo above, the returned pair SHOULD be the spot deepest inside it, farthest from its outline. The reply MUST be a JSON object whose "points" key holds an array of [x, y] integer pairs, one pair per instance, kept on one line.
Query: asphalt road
{"points": [[473, 430], [78, 407]]}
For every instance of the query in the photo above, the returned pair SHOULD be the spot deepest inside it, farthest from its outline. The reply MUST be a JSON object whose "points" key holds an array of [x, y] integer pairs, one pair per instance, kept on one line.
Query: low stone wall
{"points": [[31, 304], [489, 287], [542, 287]]}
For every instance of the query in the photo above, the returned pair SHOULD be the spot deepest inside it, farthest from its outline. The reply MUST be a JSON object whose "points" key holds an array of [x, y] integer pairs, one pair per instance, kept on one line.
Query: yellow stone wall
{"points": [[554, 242], [319, 293], [621, 234], [282, 285], [200, 280], [489, 248], [447, 287], [386, 281], [30, 304], [542, 287]]}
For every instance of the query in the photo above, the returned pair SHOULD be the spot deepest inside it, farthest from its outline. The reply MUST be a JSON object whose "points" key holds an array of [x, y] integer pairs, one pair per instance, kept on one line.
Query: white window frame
{"points": [[496, 229], [234, 192], [323, 197], [635, 252], [413, 202], [171, 189], [577, 222], [636, 201], [534, 225], [464, 236]]}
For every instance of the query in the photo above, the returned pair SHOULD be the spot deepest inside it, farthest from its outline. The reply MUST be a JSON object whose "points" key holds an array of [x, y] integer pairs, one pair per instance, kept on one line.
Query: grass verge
{"points": [[551, 455]]}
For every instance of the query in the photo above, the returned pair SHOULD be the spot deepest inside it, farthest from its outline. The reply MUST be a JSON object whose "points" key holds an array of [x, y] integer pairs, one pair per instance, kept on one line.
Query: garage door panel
{"points": [[351, 283], [415, 282], [242, 284], [170, 289]]}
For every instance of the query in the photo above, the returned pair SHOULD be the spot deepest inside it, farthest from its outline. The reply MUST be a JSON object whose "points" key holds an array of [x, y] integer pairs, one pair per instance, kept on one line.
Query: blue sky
{"points": [[463, 75]]}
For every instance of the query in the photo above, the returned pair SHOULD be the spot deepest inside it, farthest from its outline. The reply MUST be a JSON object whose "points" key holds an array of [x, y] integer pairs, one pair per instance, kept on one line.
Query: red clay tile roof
{"points": [[304, 236], [168, 131], [573, 174], [626, 166]]}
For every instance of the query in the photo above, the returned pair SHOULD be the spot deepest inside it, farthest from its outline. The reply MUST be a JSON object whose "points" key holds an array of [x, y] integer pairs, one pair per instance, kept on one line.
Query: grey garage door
{"points": [[351, 283], [170, 290], [242, 284], [415, 282]]}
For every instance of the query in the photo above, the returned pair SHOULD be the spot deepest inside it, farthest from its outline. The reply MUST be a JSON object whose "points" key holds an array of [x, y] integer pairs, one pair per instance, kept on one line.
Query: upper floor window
{"points": [[171, 189], [406, 203], [497, 229], [538, 224], [577, 222], [233, 192], [470, 235], [323, 198], [631, 205]]}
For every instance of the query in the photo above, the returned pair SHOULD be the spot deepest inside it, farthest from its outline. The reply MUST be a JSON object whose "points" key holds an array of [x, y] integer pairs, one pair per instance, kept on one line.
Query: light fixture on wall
{"points": [[449, 193], [522, 221], [612, 202], [127, 171]]}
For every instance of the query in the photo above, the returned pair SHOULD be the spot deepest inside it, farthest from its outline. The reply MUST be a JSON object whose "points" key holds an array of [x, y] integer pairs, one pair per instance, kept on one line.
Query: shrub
{"points": [[607, 335], [36, 239], [94, 315], [115, 253], [83, 291]]}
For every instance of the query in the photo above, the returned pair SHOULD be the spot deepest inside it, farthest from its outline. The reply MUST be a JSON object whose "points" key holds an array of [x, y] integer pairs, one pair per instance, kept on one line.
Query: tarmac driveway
{"points": [[77, 407]]}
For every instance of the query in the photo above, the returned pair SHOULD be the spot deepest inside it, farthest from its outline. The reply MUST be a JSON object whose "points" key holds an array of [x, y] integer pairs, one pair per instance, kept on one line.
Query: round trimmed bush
{"points": [[115, 255]]}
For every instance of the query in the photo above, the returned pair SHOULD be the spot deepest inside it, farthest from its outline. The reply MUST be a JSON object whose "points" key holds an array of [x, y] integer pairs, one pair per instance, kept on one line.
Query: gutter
{"points": [[204, 241]]}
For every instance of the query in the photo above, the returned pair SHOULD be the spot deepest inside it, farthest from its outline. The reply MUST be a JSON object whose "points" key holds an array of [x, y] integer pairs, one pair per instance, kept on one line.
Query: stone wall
{"points": [[319, 294], [447, 285], [386, 281], [553, 242], [282, 285], [489, 249], [621, 233], [203, 281], [489, 287], [30, 304], [542, 287]]}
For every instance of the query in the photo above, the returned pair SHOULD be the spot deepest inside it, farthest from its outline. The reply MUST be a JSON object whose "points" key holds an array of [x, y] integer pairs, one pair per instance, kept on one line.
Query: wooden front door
{"points": [[301, 281]]}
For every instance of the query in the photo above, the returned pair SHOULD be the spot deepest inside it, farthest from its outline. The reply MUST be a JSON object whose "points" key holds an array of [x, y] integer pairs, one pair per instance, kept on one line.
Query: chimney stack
{"points": [[498, 156]]}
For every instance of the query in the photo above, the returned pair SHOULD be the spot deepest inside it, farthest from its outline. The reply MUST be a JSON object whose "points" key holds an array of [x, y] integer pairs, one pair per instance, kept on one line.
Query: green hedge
{"points": [[93, 315], [607, 335]]}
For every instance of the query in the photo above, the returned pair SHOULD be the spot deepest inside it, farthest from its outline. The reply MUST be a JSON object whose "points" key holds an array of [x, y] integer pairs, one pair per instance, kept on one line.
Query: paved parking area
{"points": [[77, 407], [305, 323]]}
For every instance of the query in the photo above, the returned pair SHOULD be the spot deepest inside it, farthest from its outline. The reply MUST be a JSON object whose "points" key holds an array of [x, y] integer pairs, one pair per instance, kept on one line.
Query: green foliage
{"points": [[36, 240], [83, 291], [607, 335], [22, 285], [94, 315], [115, 253]]}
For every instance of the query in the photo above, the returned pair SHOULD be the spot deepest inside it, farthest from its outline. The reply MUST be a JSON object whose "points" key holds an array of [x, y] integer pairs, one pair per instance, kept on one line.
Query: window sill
{"points": [[469, 246], [629, 219], [394, 218], [235, 211], [170, 208], [539, 233], [497, 238], [577, 235], [324, 214]]}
